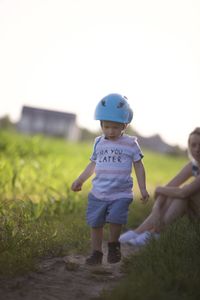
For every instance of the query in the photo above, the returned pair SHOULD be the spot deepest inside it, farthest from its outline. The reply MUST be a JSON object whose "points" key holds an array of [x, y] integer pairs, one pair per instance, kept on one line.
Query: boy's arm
{"points": [[141, 179], [89, 170]]}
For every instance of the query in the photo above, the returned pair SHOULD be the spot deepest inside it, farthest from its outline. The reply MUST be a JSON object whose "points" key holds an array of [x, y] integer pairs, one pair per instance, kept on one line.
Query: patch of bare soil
{"points": [[64, 278]]}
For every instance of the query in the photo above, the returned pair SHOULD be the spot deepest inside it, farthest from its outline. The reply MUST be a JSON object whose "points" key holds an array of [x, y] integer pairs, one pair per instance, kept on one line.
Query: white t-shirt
{"points": [[114, 162]]}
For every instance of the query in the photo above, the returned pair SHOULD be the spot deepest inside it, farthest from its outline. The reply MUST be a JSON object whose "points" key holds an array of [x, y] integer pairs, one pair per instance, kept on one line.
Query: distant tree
{"points": [[5, 123], [87, 135], [131, 131]]}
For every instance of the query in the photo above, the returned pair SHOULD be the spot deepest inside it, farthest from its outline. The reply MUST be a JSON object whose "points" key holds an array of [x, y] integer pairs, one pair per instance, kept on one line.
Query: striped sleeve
{"points": [[137, 152], [94, 153]]}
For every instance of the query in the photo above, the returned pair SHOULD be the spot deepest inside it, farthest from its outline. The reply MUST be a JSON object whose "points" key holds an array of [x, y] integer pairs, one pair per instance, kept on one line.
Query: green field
{"points": [[40, 216]]}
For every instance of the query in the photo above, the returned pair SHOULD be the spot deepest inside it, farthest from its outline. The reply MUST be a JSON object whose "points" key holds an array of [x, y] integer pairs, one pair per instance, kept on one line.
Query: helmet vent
{"points": [[103, 102], [121, 104]]}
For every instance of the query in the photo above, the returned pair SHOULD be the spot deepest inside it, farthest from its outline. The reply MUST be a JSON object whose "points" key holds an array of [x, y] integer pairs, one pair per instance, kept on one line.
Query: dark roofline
{"points": [[31, 109]]}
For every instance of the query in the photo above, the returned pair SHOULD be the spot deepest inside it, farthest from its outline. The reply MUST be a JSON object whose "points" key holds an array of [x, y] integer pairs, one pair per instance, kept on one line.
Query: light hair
{"points": [[125, 125], [195, 131]]}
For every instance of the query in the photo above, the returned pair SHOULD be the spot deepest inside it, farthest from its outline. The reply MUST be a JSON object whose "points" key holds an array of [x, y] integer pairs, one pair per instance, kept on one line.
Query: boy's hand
{"points": [[145, 196], [76, 185]]}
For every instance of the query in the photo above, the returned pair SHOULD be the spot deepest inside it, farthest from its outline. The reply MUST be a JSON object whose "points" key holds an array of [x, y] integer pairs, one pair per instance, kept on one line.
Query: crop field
{"points": [[39, 214], [41, 217]]}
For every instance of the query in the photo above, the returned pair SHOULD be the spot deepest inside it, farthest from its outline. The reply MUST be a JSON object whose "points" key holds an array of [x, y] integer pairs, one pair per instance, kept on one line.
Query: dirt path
{"points": [[65, 278]]}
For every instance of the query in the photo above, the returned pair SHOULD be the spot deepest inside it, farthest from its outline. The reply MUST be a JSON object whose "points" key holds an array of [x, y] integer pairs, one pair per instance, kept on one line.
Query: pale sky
{"points": [[68, 54]]}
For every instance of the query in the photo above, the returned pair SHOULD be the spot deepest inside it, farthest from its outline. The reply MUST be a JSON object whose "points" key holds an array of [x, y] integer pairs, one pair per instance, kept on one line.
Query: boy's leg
{"points": [[96, 219], [97, 254], [97, 238], [115, 231], [117, 215], [114, 253]]}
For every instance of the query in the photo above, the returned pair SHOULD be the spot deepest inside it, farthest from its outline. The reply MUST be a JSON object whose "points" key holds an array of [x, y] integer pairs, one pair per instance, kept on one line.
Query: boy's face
{"points": [[112, 130]]}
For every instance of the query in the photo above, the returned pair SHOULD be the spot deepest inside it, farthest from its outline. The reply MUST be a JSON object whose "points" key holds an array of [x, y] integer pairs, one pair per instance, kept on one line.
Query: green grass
{"points": [[40, 216], [32, 230], [164, 269]]}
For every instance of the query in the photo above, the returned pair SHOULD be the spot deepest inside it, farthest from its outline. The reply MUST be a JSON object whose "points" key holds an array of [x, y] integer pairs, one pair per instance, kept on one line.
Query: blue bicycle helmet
{"points": [[114, 107]]}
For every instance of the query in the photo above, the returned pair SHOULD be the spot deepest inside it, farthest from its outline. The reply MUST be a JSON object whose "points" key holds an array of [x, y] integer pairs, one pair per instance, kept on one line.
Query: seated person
{"points": [[173, 200]]}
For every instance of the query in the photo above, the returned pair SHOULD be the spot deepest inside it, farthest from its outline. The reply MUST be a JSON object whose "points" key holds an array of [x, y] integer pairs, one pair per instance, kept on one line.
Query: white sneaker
{"points": [[143, 238], [128, 235]]}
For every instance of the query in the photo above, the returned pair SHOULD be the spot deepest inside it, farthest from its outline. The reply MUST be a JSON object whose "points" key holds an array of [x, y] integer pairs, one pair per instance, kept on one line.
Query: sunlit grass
{"points": [[32, 230], [167, 268], [39, 214]]}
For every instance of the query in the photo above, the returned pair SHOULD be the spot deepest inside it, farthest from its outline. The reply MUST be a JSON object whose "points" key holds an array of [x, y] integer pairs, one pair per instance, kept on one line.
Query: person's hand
{"points": [[145, 196], [76, 185]]}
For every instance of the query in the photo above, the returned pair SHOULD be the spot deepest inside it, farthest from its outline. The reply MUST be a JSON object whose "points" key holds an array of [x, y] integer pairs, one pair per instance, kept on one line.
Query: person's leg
{"points": [[96, 219], [176, 209], [153, 220], [147, 225], [117, 215], [114, 253], [115, 230], [193, 209], [97, 254], [97, 238], [159, 218]]}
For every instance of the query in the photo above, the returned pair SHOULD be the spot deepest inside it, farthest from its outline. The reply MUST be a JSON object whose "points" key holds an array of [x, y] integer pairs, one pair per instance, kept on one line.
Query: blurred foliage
{"points": [[6, 123], [39, 214], [167, 268]]}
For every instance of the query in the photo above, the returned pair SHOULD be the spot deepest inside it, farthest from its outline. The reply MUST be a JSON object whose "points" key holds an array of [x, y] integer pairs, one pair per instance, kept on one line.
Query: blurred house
{"points": [[156, 144], [48, 122]]}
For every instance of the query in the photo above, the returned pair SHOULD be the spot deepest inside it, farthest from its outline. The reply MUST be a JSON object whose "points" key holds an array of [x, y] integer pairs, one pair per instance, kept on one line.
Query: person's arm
{"points": [[180, 192], [173, 188], [182, 176], [141, 179], [89, 170]]}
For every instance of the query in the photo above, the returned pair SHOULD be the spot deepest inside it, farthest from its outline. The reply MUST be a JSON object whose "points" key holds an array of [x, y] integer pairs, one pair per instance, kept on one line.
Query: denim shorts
{"points": [[100, 212]]}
